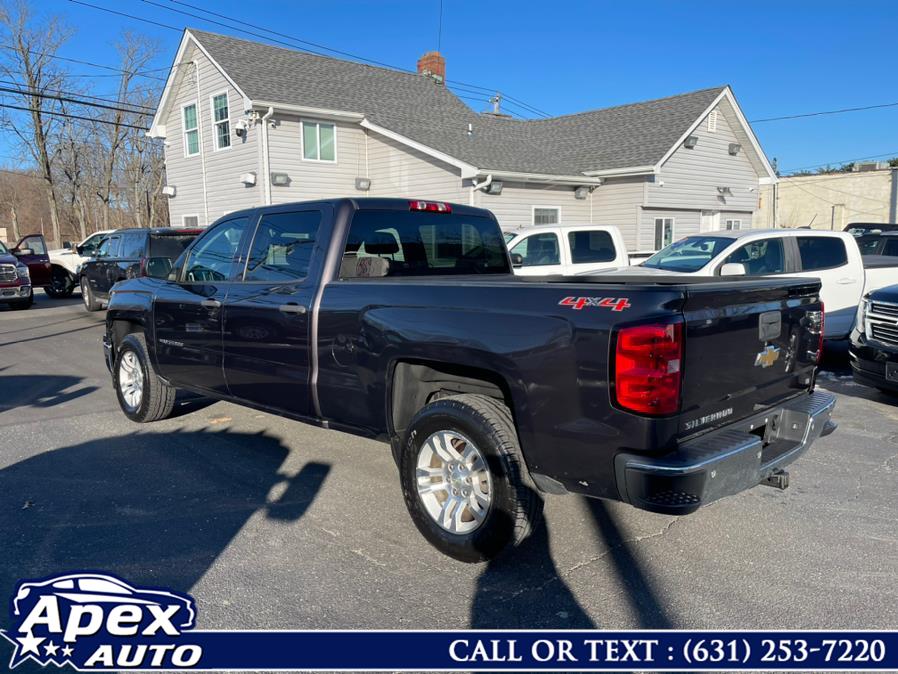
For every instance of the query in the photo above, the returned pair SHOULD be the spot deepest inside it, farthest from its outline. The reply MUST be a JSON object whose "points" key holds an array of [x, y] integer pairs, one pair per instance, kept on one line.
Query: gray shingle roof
{"points": [[418, 108]]}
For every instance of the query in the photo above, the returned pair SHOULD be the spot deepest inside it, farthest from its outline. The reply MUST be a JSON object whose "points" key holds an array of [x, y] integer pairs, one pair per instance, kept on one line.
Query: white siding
{"points": [[514, 207], [617, 203], [690, 178], [315, 179], [225, 192], [396, 170]]}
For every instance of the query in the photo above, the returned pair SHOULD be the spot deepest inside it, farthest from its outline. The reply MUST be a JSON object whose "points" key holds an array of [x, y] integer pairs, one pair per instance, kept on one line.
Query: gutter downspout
{"points": [[266, 158], [479, 186], [199, 126]]}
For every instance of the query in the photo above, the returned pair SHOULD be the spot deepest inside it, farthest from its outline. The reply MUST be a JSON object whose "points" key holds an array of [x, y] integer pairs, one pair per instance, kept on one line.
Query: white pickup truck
{"points": [[833, 257], [544, 250], [66, 264]]}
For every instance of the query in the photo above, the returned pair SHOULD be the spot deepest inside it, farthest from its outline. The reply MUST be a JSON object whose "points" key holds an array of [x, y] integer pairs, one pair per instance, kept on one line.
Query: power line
{"points": [[842, 161], [119, 71], [29, 91], [67, 99], [69, 115], [824, 112]]}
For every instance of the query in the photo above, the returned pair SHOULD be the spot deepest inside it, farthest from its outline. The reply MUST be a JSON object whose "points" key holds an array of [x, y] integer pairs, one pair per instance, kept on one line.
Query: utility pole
{"points": [[893, 199]]}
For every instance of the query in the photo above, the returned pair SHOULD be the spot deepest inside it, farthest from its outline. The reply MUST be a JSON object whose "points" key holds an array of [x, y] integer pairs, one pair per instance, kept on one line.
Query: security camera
{"points": [[241, 127]]}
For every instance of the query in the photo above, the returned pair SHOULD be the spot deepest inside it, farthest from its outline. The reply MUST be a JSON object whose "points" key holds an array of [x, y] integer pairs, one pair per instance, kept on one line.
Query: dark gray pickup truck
{"points": [[401, 320]]}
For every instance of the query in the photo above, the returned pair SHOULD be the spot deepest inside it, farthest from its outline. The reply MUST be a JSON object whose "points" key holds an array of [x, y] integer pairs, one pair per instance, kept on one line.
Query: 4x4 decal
{"points": [[578, 303]]}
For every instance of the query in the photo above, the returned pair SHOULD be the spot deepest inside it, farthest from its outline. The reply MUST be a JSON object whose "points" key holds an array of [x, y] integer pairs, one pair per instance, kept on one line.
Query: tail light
{"points": [[433, 206], [647, 370], [816, 326]]}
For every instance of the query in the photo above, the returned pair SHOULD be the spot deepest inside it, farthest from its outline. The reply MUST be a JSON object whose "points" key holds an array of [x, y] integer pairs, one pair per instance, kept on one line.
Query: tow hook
{"points": [[778, 479]]}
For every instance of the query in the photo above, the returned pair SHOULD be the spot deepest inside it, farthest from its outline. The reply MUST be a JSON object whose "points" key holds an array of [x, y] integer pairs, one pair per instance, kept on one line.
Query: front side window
{"points": [[109, 247], [760, 257], [133, 245], [35, 243], [91, 244], [319, 141], [733, 225], [689, 254], [663, 232], [211, 259], [821, 252], [282, 247], [538, 250], [191, 131], [221, 121], [589, 247], [417, 243], [546, 215]]}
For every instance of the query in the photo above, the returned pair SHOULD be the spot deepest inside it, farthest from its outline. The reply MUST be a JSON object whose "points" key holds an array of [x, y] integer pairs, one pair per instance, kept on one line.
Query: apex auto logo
{"points": [[98, 621]]}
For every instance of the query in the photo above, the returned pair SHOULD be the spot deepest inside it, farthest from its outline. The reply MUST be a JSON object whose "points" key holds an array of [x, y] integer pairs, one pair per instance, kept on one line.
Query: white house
{"points": [[247, 124]]}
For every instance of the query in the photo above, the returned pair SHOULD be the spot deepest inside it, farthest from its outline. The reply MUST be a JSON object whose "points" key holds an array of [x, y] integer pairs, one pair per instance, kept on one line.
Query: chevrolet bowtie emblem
{"points": [[767, 357]]}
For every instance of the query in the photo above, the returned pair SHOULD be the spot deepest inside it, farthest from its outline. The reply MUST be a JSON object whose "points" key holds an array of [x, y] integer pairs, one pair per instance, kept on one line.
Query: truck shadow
{"points": [[154, 508], [39, 390]]}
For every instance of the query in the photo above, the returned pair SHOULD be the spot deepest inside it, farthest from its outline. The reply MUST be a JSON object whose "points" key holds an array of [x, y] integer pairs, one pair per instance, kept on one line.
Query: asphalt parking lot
{"points": [[272, 524]]}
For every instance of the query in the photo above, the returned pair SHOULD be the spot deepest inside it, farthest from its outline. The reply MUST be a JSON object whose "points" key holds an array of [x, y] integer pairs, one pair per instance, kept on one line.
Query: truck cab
{"points": [[572, 249]]}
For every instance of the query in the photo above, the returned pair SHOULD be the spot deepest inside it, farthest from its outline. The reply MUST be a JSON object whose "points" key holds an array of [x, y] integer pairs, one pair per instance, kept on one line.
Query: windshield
{"points": [[3, 249], [689, 254]]}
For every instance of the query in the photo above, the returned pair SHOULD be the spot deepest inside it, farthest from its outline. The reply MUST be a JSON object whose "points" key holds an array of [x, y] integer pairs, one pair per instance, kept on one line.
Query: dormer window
{"points": [[221, 121]]}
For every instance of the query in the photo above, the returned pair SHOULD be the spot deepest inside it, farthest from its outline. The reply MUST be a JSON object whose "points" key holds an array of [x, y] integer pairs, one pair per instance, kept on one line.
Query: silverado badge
{"points": [[767, 357]]}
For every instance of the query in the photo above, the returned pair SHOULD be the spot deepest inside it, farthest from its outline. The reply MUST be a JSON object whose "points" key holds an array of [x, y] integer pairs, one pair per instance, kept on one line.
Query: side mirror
{"points": [[23, 251], [159, 267], [733, 269], [517, 260]]}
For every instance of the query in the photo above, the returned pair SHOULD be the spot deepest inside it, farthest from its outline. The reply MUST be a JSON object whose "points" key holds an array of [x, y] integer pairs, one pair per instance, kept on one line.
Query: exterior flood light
{"points": [[734, 148], [169, 190], [280, 179], [248, 179], [581, 192], [494, 187], [363, 184], [690, 142]]}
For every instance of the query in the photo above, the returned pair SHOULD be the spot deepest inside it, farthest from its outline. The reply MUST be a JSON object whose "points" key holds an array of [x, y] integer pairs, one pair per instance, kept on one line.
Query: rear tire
{"points": [[62, 284], [142, 394], [465, 449], [90, 302]]}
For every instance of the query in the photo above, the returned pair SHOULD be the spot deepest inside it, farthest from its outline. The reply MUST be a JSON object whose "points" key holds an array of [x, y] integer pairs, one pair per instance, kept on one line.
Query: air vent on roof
{"points": [[712, 121]]}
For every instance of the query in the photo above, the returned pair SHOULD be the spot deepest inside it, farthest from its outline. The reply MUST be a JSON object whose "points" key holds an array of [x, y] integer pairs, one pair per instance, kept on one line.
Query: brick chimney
{"points": [[432, 64]]}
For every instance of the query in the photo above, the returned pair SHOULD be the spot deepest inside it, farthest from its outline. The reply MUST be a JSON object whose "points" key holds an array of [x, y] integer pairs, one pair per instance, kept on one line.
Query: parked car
{"points": [[545, 250], [874, 340], [862, 228], [833, 257], [883, 243], [15, 281], [402, 321], [66, 264], [129, 253]]}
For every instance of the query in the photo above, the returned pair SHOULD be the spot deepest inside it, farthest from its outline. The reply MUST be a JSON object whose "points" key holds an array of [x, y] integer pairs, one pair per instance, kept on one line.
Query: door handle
{"points": [[292, 308], [845, 281], [210, 304]]}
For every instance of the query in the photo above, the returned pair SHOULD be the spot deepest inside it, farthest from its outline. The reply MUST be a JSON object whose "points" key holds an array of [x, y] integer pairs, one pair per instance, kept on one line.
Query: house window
{"points": [[221, 121], [733, 225], [663, 232], [546, 215], [319, 141], [190, 221], [712, 121], [191, 131]]}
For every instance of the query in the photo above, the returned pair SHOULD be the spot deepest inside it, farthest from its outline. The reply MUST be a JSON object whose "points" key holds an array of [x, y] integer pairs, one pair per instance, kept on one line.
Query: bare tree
{"points": [[28, 61]]}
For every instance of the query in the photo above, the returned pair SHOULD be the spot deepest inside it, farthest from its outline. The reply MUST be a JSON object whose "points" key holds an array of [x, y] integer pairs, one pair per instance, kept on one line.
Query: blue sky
{"points": [[781, 58]]}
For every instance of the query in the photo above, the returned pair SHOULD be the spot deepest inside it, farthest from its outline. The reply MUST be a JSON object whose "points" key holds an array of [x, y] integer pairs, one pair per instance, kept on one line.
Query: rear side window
{"points": [[538, 250], [133, 245], [591, 247], [821, 252], [169, 245], [282, 247], [419, 243], [891, 246]]}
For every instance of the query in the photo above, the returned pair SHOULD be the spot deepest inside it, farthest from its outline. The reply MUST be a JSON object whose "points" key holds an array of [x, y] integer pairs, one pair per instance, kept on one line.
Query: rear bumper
{"points": [[870, 361], [726, 461]]}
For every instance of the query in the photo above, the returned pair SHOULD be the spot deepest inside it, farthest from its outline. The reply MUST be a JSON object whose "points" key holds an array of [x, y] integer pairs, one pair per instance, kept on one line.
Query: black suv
{"points": [[129, 253]]}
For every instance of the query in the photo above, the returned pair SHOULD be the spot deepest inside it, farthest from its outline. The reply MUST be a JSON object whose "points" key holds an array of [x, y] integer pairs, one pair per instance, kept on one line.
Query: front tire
{"points": [[23, 304], [142, 394], [90, 302], [62, 284], [464, 480]]}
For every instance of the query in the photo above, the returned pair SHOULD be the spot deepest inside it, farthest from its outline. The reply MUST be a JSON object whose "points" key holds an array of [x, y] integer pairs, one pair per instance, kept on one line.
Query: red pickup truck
{"points": [[21, 268]]}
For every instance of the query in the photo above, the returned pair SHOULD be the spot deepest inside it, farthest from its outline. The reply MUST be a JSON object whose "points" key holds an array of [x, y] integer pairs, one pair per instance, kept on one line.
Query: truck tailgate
{"points": [[747, 348]]}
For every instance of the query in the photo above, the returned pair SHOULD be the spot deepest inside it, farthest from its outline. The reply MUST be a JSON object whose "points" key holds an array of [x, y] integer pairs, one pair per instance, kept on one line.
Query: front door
{"points": [[98, 272], [187, 311], [37, 260], [540, 255], [266, 332]]}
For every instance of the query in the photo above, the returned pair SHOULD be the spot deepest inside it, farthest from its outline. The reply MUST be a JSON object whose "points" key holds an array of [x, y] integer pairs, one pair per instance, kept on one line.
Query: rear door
{"points": [[749, 344], [541, 254], [38, 260], [128, 264], [592, 250], [187, 312], [266, 332], [837, 263]]}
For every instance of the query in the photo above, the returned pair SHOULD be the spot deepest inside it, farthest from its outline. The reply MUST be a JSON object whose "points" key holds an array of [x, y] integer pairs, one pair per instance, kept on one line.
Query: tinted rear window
{"points": [[821, 252], [595, 246], [169, 245], [417, 243]]}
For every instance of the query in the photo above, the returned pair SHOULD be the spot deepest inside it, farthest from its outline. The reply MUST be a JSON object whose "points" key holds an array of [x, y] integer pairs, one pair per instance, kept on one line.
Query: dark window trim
{"points": [[243, 258]]}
